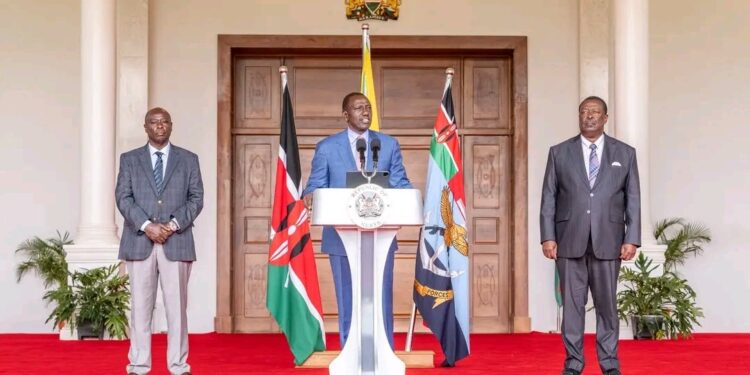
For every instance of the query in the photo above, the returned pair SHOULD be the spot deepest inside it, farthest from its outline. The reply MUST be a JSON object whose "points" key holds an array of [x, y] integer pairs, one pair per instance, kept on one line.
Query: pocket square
{"points": [[616, 164]]}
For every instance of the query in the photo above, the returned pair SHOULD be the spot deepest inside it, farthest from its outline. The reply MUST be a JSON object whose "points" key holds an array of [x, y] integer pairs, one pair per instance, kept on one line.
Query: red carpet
{"points": [[225, 354]]}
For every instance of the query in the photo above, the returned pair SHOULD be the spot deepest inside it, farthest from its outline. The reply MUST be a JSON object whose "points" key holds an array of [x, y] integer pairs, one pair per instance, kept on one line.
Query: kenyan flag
{"points": [[293, 295]]}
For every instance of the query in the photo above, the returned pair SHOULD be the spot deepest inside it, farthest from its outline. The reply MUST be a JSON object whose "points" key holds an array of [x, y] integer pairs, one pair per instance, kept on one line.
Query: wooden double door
{"points": [[409, 89]]}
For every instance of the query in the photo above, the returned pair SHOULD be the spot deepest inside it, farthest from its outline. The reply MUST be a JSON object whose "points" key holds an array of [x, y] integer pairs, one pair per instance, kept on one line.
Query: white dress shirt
{"points": [[585, 145], [152, 151]]}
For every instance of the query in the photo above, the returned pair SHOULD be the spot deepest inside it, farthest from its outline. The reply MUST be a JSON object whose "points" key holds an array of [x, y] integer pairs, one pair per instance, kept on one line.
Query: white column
{"points": [[594, 50], [97, 242], [631, 104]]}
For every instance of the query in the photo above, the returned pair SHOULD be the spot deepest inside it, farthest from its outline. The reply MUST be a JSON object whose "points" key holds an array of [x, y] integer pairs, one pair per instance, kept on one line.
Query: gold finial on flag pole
{"points": [[449, 72], [283, 70], [365, 27]]}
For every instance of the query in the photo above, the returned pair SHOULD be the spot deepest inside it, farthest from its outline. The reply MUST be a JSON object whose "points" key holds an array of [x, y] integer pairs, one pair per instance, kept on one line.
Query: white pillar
{"points": [[631, 105], [594, 50], [97, 243]]}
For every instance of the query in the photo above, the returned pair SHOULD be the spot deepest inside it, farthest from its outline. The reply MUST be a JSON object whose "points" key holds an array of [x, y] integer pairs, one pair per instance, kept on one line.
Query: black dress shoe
{"points": [[613, 371], [570, 371]]}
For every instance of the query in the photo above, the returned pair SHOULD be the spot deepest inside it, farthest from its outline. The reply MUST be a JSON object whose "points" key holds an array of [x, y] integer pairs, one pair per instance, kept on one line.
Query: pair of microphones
{"points": [[374, 147]]}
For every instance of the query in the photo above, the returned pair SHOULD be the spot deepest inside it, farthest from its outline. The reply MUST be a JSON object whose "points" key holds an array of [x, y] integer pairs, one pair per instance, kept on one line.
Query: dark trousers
{"points": [[577, 275]]}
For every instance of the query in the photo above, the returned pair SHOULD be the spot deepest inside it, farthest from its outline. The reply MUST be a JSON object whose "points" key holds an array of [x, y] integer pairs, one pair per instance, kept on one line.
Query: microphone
{"points": [[361, 147], [375, 147]]}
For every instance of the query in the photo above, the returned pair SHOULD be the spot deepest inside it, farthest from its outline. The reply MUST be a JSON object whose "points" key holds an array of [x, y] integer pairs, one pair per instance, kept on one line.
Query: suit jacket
{"points": [[333, 158], [610, 211], [138, 201]]}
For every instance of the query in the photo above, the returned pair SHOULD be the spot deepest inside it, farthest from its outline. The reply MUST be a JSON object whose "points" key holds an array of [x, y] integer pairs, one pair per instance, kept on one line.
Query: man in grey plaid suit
{"points": [[159, 193], [590, 221]]}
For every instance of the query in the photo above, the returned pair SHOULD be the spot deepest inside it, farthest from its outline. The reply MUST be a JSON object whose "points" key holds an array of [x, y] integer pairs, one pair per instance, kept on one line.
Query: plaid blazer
{"points": [[138, 201]]}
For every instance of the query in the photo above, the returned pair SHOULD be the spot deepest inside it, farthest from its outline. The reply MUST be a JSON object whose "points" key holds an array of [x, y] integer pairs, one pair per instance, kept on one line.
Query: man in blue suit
{"points": [[334, 156]]}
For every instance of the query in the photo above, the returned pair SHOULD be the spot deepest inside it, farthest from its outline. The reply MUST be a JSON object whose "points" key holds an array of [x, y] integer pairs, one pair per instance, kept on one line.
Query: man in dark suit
{"points": [[590, 221], [159, 193], [334, 156]]}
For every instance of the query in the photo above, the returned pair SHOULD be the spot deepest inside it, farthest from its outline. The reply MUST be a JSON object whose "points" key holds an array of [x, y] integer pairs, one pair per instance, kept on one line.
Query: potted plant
{"points": [[682, 239], [656, 306], [47, 259], [102, 299], [663, 306], [95, 300]]}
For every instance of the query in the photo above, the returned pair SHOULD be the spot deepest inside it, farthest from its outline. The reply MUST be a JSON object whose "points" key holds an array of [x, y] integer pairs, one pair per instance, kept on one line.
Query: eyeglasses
{"points": [[155, 122]]}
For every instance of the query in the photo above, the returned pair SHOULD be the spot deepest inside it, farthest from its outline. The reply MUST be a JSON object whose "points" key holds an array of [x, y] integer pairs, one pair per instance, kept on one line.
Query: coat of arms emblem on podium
{"points": [[367, 205]]}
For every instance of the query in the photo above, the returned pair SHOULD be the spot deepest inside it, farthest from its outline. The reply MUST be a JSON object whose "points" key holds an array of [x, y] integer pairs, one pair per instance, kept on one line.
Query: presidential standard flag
{"points": [[441, 286], [293, 295], [367, 82]]}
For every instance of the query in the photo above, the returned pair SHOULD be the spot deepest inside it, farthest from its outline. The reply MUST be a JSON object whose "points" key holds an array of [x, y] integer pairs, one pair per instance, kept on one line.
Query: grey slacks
{"points": [[144, 276], [577, 275]]}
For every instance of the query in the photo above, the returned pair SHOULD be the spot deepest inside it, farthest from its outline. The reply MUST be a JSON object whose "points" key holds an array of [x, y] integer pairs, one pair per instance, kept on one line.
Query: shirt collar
{"points": [[152, 150], [354, 135], [599, 142]]}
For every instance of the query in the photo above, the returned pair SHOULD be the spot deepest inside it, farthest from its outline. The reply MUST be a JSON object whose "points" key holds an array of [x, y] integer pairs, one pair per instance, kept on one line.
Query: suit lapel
{"points": [[345, 151], [145, 159], [173, 160], [604, 166], [578, 163]]}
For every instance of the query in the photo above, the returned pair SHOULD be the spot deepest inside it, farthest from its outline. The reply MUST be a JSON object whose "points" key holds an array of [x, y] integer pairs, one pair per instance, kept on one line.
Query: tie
{"points": [[158, 172], [593, 165]]}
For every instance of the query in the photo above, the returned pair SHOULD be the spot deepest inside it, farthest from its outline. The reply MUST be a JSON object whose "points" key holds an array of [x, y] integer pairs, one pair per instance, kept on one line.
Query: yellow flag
{"points": [[367, 83]]}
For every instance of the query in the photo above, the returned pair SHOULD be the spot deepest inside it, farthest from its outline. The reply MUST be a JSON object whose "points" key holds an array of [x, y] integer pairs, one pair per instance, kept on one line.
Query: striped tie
{"points": [[158, 173], [593, 166]]}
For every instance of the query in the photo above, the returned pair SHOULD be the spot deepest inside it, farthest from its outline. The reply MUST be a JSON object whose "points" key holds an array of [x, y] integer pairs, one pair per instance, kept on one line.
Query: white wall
{"points": [[40, 160], [700, 106], [183, 80]]}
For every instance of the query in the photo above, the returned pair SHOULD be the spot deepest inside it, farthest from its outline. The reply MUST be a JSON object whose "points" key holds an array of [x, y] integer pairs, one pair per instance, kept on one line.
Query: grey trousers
{"points": [[577, 275], [144, 276]]}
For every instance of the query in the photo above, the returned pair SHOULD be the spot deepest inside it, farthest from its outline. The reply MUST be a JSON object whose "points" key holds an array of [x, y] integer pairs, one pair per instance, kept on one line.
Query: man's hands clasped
{"points": [[159, 233]]}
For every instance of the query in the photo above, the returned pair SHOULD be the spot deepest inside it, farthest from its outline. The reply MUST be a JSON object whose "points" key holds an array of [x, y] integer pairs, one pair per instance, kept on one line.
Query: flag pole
{"points": [[283, 70], [412, 321], [413, 317], [449, 72]]}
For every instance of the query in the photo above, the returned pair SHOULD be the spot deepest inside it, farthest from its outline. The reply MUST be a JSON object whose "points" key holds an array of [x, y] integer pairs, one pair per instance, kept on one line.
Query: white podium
{"points": [[367, 219]]}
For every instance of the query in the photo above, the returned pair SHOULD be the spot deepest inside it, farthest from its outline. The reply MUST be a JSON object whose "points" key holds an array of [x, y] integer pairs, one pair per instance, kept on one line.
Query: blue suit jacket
{"points": [[333, 158]]}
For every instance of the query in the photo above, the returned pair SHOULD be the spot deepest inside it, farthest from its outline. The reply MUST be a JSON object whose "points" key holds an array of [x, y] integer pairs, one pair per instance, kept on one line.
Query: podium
{"points": [[367, 219]]}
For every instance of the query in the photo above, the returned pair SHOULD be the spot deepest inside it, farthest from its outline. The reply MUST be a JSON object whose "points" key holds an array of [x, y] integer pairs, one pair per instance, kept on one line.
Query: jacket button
{"points": [[592, 194], [588, 211], [159, 202]]}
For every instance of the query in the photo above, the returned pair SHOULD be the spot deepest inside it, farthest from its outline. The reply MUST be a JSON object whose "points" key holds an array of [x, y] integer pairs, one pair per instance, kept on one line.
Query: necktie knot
{"points": [[159, 154], [592, 146]]}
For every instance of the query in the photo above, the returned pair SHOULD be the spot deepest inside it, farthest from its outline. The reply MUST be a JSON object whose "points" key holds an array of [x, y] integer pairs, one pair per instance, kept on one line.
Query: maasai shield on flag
{"points": [[441, 286], [293, 295], [367, 82]]}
